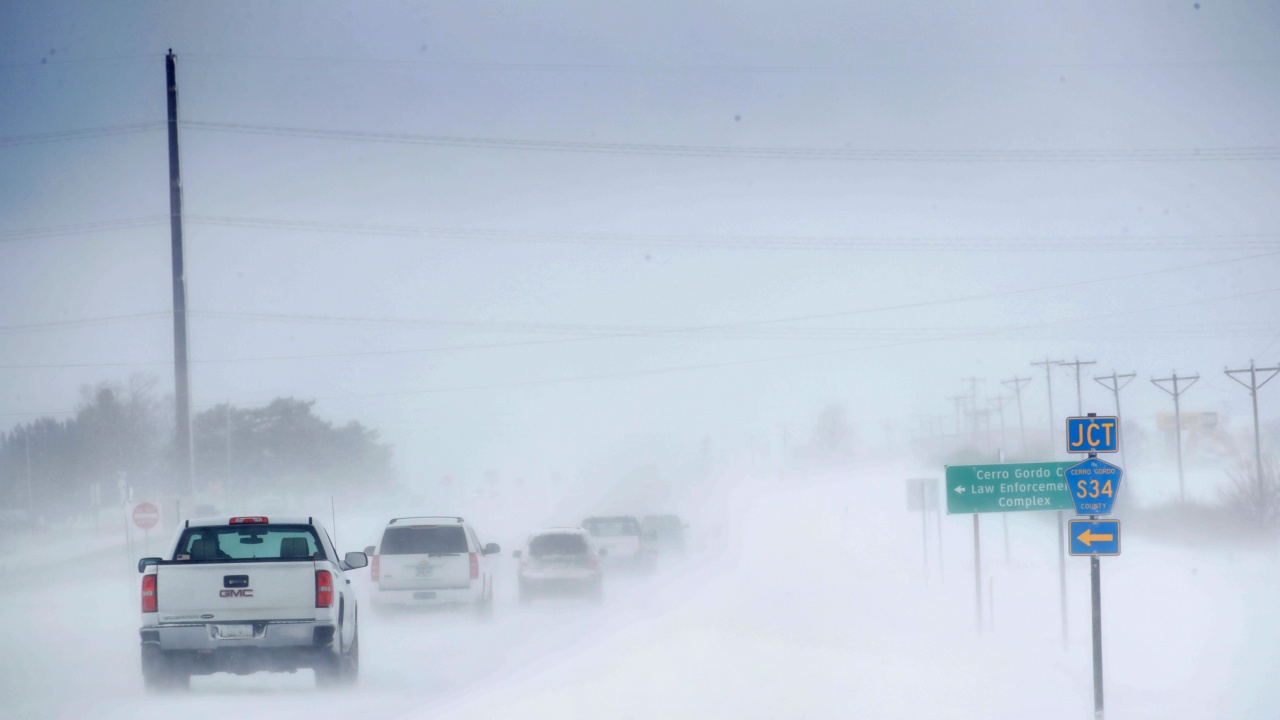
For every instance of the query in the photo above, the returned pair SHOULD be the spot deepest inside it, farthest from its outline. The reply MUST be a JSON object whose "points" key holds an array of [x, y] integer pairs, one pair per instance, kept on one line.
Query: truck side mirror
{"points": [[492, 549], [516, 554], [354, 560], [370, 550], [146, 562]]}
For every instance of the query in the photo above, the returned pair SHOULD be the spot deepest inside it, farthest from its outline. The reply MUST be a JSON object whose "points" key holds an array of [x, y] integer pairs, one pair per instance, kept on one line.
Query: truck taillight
{"points": [[595, 562], [255, 520], [324, 589], [373, 568], [475, 566], [149, 598]]}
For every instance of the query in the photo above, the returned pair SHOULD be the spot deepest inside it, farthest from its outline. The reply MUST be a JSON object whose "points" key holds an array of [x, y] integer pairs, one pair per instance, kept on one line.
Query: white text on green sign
{"points": [[1011, 487], [1093, 434]]}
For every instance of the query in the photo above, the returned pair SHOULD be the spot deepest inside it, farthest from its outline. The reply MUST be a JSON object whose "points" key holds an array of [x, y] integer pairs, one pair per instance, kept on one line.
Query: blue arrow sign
{"points": [[1093, 434], [1094, 537], [1093, 485]]}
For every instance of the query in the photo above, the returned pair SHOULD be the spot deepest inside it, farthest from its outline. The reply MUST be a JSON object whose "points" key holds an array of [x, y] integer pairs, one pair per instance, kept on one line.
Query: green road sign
{"points": [[1013, 487]]}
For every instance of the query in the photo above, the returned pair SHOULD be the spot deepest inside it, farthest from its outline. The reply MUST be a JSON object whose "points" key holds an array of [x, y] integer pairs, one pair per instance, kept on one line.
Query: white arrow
{"points": [[960, 489]]}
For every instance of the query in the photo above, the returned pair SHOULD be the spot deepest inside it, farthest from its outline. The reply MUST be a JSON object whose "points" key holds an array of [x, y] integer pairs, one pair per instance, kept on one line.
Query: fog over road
{"points": [[803, 593]]}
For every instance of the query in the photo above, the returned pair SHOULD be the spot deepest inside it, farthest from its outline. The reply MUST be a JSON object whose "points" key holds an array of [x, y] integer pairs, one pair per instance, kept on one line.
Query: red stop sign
{"points": [[146, 515]]}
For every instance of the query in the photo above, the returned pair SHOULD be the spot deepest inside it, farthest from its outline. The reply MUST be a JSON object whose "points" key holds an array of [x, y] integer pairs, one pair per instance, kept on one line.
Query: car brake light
{"points": [[324, 589], [149, 598], [475, 567], [254, 520], [373, 568]]}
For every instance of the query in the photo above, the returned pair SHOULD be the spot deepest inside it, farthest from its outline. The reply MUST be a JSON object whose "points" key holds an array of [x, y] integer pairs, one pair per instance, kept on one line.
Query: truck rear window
{"points": [[240, 543], [557, 544], [424, 540]]}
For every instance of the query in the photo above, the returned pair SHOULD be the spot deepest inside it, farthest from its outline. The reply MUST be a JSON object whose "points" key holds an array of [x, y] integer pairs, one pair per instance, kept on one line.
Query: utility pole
{"points": [[959, 401], [1176, 392], [1015, 384], [182, 385], [1079, 397], [1048, 385], [973, 400], [1115, 383], [997, 403], [981, 418], [1253, 387], [1062, 533]]}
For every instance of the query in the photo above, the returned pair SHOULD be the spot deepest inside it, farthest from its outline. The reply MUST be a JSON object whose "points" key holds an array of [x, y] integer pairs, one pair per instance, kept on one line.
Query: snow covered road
{"points": [[807, 606]]}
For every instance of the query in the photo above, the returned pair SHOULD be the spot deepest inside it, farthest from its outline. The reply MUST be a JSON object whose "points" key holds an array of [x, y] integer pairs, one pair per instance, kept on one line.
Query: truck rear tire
{"points": [[333, 671], [158, 673]]}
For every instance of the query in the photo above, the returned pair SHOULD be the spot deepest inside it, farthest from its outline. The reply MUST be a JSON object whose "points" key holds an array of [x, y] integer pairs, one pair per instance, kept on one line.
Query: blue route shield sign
{"points": [[1093, 434], [1094, 537], [1093, 485]]}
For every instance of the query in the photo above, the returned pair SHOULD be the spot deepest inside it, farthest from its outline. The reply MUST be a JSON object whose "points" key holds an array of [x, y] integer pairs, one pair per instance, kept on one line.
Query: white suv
{"points": [[431, 562]]}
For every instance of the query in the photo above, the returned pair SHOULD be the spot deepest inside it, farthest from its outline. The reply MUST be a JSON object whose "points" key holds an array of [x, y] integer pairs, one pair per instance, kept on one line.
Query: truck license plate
{"points": [[233, 632], [424, 596]]}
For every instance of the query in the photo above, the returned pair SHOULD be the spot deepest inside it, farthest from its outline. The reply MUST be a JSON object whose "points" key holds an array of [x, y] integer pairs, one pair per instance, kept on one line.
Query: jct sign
{"points": [[1093, 435]]}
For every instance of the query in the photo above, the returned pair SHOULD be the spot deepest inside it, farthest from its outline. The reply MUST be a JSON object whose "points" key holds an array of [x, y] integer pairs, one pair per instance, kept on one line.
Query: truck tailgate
{"points": [[231, 592], [425, 572]]}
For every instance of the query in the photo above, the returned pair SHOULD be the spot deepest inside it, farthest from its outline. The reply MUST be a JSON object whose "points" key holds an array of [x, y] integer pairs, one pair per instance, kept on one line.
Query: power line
{"points": [[109, 130], [1117, 243], [78, 323], [82, 228], [708, 67], [724, 364], [736, 363], [731, 330], [1161, 243], [780, 153], [60, 62], [374, 353]]}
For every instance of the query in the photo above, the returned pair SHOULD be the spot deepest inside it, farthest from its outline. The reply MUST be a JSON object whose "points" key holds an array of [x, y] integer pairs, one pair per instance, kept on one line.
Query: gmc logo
{"points": [[238, 592]]}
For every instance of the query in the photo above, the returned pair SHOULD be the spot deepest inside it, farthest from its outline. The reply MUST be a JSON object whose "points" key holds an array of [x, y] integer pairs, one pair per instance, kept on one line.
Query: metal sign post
{"points": [[1094, 485], [1002, 488], [977, 571], [922, 496]]}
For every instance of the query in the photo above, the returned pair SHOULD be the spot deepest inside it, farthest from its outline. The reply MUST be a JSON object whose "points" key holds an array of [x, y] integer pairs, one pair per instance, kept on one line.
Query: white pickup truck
{"points": [[245, 594]]}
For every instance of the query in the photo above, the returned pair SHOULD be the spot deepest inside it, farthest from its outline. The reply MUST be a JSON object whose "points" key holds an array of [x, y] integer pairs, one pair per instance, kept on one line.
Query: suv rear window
{"points": [[424, 540], [240, 543], [558, 544], [609, 527]]}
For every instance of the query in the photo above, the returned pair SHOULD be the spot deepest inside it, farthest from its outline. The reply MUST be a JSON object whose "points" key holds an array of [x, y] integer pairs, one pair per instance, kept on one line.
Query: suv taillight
{"points": [[324, 589], [149, 598], [475, 566], [373, 568]]}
